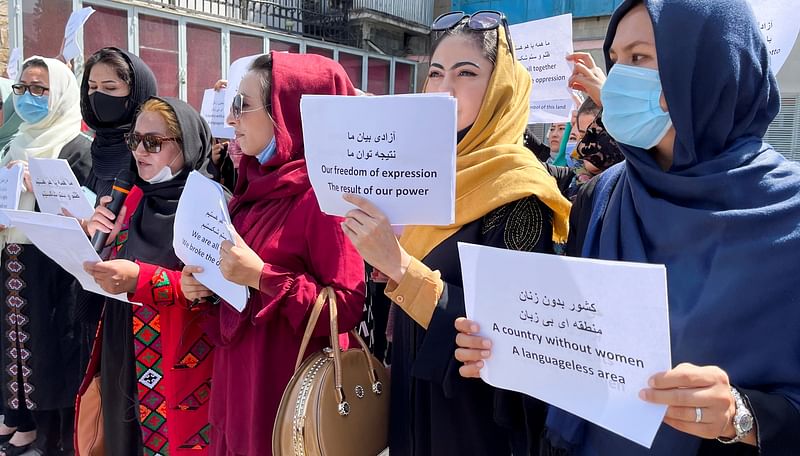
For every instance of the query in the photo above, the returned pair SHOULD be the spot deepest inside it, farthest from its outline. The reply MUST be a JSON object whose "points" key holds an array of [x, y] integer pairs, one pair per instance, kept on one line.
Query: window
{"points": [[107, 27], [325, 52], [158, 47], [403, 78], [283, 46], [352, 65], [203, 61], [243, 45], [378, 76], [43, 23]]}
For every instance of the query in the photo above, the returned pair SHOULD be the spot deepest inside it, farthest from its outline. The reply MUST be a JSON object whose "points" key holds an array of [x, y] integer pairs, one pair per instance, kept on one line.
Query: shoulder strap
{"points": [[312, 323]]}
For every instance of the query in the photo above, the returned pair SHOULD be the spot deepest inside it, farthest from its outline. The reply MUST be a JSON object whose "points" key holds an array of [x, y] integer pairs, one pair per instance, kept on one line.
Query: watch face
{"points": [[744, 423]]}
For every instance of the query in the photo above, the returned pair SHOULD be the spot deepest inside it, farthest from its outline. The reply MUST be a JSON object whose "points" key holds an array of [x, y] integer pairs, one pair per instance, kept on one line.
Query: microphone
{"points": [[119, 191]]}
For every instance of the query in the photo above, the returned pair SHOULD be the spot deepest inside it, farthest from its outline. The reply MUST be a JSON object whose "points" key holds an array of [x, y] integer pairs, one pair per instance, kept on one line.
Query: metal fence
{"points": [[321, 19]]}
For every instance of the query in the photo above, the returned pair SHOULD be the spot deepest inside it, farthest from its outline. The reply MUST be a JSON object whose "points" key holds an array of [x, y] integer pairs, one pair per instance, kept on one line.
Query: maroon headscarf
{"points": [[266, 193]]}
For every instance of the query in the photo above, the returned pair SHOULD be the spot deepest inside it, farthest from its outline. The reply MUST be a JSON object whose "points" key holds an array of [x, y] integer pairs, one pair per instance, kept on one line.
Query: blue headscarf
{"points": [[725, 219]]}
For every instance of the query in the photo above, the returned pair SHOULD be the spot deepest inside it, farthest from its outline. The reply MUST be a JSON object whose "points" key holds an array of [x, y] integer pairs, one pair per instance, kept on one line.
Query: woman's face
{"points": [[148, 165], [554, 136], [255, 129], [104, 79], [458, 67], [35, 75]]}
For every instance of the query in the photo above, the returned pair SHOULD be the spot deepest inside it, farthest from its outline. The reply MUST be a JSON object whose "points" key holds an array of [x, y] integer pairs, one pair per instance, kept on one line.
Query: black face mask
{"points": [[108, 109]]}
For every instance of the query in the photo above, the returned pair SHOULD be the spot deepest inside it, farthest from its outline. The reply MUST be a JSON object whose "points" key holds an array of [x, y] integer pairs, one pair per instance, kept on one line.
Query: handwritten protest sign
{"points": [[213, 110], [780, 24], [396, 151], [62, 239], [542, 47], [10, 186], [76, 20], [57, 188], [201, 225], [582, 335]]}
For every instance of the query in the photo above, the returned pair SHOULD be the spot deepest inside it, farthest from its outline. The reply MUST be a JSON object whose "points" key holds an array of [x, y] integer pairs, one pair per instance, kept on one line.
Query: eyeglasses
{"points": [[238, 105], [152, 143], [481, 21], [35, 90]]}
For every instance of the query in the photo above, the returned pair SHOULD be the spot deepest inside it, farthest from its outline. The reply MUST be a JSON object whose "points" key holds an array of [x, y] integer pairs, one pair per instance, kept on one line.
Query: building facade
{"points": [[190, 44], [590, 21]]}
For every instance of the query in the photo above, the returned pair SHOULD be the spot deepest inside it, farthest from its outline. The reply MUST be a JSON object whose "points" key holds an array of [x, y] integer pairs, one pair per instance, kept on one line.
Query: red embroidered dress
{"points": [[173, 360]]}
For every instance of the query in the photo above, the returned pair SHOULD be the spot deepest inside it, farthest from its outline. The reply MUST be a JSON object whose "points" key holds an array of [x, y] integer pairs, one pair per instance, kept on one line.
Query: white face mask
{"points": [[165, 175]]}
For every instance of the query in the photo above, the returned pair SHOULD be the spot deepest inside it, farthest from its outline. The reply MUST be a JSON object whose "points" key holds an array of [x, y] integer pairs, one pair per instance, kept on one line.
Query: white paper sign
{"points": [[582, 335], [62, 239], [780, 24], [201, 224], [13, 65], [10, 186], [542, 47], [57, 188], [396, 151], [213, 110], [76, 20], [236, 72]]}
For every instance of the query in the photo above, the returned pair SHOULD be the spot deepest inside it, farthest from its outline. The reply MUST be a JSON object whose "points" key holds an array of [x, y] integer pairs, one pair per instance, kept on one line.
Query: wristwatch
{"points": [[742, 420]]}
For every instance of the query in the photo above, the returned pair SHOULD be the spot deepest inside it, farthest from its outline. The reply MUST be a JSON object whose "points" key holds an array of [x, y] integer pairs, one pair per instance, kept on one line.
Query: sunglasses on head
{"points": [[481, 21], [35, 90], [237, 107], [152, 143]]}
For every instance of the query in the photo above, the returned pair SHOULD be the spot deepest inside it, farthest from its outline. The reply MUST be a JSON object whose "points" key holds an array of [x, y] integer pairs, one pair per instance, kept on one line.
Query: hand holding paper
{"points": [[114, 276], [372, 235], [202, 224], [239, 263]]}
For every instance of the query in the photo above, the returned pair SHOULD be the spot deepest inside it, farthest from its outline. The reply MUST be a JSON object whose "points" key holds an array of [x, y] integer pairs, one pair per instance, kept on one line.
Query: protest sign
{"points": [[779, 23], [542, 47], [71, 49], [57, 188], [396, 151], [202, 223], [213, 110], [583, 335], [62, 239]]}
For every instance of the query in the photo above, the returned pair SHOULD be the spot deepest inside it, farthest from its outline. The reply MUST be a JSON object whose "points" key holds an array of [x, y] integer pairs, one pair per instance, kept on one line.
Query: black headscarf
{"points": [[110, 155], [598, 147], [151, 226]]}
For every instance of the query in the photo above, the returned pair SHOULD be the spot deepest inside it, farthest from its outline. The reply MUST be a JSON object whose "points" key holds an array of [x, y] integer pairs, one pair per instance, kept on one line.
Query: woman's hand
{"points": [[105, 221], [114, 276], [191, 287], [586, 76], [472, 349], [687, 388], [239, 263], [221, 84], [82, 222], [26, 174], [371, 234]]}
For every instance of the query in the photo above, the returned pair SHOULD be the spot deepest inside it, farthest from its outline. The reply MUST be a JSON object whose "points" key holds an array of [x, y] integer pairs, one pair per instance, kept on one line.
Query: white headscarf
{"points": [[46, 138]]}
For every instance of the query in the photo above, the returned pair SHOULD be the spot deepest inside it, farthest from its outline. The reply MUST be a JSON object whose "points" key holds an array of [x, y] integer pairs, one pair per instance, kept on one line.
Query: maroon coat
{"points": [[277, 214]]}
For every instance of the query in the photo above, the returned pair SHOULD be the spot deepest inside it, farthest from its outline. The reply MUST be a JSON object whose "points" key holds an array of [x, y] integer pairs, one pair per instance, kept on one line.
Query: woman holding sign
{"points": [[151, 362], [504, 198], [688, 98], [40, 337], [287, 251]]}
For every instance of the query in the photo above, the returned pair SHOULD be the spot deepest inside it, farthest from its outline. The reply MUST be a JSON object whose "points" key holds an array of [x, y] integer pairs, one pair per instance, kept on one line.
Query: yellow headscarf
{"points": [[493, 168]]}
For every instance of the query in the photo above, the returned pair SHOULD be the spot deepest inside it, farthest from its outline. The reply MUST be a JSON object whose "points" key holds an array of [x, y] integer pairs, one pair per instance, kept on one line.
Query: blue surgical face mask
{"points": [[268, 152], [632, 112], [31, 109]]}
